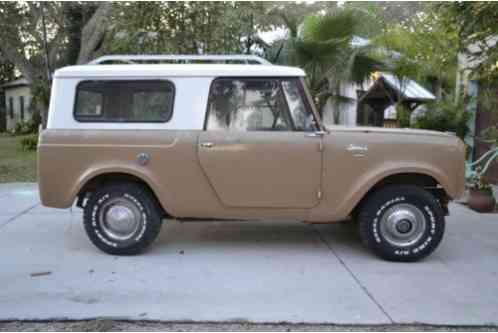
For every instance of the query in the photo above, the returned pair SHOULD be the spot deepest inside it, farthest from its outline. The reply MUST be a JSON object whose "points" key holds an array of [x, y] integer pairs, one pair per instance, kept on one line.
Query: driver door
{"points": [[259, 147]]}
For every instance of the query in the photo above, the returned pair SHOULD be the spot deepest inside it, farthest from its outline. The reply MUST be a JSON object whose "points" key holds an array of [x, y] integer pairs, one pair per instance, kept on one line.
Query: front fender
{"points": [[345, 201], [369, 180]]}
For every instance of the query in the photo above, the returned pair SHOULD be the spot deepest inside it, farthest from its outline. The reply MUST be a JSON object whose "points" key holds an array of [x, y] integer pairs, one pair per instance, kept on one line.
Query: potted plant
{"points": [[481, 197]]}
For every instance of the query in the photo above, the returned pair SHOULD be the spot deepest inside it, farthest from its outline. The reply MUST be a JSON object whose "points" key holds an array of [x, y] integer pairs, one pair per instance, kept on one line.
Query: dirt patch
{"points": [[102, 325]]}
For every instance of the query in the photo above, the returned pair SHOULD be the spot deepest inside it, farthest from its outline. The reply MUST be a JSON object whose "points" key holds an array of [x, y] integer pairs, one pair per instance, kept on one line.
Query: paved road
{"points": [[241, 271]]}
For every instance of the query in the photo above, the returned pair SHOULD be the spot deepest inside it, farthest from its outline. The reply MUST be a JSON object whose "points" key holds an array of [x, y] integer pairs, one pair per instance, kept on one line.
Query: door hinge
{"points": [[319, 194]]}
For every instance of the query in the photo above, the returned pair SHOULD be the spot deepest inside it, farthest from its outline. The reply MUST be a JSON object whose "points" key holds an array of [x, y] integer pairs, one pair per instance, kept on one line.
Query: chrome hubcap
{"points": [[403, 225], [119, 219]]}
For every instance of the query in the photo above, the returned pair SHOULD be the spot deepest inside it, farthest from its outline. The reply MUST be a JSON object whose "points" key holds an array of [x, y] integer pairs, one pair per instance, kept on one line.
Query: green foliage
{"points": [[478, 183], [39, 37], [445, 116], [335, 27], [475, 23], [290, 15], [40, 91], [403, 116], [370, 16], [425, 51], [187, 27], [19, 129], [22, 35], [377, 16], [7, 72], [324, 50], [29, 143], [27, 127]]}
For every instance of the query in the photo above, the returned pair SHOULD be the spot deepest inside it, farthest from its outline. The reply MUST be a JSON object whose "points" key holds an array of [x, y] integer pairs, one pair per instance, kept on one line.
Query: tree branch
{"points": [[10, 53], [55, 46]]}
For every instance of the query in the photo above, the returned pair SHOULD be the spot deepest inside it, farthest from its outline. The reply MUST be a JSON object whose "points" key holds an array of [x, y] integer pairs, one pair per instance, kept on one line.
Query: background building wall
{"points": [[15, 93]]}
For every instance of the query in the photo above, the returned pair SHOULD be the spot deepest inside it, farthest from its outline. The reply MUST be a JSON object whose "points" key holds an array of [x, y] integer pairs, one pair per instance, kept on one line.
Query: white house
{"points": [[17, 102], [372, 103]]}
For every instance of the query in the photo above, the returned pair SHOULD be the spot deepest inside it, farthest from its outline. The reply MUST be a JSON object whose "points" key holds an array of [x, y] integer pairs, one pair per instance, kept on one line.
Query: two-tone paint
{"points": [[312, 176]]}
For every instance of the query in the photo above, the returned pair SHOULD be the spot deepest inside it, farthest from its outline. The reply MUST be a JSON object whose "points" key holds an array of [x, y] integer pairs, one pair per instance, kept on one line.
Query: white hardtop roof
{"points": [[178, 70]]}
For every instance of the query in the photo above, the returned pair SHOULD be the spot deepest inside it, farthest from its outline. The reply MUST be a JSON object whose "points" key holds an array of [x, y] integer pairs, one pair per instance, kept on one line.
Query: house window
{"points": [[21, 103], [124, 101], [11, 107]]}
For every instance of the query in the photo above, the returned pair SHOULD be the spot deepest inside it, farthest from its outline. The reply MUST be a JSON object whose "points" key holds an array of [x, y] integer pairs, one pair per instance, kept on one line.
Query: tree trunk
{"points": [[73, 22], [40, 92], [43, 110], [93, 32], [438, 89]]}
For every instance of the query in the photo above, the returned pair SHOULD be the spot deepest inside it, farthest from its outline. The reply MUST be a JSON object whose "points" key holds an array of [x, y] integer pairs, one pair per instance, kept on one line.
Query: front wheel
{"points": [[122, 218], [401, 223]]}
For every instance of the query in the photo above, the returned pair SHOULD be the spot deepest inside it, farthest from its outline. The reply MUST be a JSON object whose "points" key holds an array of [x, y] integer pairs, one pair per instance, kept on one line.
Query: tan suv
{"points": [[138, 142]]}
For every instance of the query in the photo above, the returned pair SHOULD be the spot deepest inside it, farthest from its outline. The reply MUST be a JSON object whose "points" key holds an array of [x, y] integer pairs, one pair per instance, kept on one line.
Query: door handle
{"points": [[207, 144], [316, 134]]}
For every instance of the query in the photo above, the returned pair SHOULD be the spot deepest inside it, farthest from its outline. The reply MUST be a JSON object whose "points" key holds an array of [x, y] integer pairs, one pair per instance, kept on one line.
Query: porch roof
{"points": [[15, 83], [409, 89]]}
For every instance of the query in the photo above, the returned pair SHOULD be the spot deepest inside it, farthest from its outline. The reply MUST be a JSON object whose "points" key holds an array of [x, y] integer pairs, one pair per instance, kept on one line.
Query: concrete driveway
{"points": [[241, 271]]}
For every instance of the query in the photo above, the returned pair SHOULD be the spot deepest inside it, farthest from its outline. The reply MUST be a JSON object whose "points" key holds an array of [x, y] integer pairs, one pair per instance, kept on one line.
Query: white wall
{"points": [[347, 111], [15, 93]]}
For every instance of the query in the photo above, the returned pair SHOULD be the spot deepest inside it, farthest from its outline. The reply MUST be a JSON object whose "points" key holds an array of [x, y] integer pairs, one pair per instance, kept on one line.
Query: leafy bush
{"points": [[18, 129], [478, 183], [446, 116], [28, 127], [403, 115], [29, 143], [35, 121]]}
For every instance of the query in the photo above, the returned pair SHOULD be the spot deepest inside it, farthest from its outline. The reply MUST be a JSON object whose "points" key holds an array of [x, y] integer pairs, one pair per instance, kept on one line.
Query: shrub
{"points": [[29, 143], [35, 121], [28, 127], [17, 129], [445, 116], [403, 116]]}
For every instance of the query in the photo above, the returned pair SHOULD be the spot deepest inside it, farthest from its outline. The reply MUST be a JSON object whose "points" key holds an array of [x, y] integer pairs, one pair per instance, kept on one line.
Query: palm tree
{"points": [[323, 47]]}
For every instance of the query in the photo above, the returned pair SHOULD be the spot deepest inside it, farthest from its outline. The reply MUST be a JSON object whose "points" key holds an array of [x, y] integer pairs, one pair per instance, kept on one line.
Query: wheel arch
{"points": [[97, 178], [424, 179]]}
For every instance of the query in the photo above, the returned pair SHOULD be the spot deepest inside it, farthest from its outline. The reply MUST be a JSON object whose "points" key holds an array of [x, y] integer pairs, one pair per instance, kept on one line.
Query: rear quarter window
{"points": [[124, 101]]}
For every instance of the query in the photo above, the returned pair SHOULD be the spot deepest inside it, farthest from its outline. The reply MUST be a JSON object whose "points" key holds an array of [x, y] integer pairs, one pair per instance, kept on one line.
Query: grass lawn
{"points": [[16, 165]]}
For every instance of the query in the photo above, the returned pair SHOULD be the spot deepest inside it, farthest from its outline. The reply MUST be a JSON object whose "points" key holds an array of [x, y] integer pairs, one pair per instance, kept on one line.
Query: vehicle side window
{"points": [[124, 101], [247, 105], [301, 115]]}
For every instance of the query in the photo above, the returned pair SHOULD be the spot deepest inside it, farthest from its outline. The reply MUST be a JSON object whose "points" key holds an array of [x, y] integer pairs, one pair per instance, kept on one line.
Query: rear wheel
{"points": [[122, 218], [401, 223]]}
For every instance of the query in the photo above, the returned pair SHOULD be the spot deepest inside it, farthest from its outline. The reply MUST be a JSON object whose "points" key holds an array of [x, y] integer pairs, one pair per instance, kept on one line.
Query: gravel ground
{"points": [[115, 325]]}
